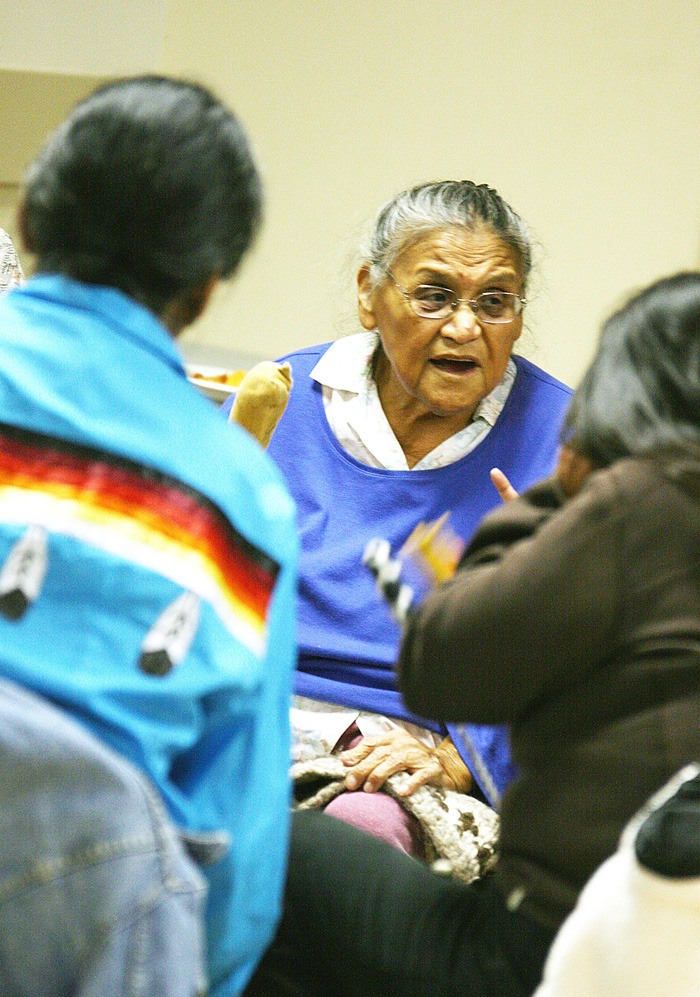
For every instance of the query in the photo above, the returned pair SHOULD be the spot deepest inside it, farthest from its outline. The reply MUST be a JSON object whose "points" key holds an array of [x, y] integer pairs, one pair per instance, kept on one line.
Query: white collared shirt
{"points": [[357, 419]]}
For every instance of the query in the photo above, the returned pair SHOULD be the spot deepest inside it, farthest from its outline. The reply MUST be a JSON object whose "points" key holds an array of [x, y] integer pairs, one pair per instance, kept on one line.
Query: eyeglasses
{"points": [[432, 301]]}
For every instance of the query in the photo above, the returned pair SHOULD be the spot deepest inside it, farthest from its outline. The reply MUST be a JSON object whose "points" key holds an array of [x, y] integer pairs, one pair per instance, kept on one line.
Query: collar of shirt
{"points": [[357, 419]]}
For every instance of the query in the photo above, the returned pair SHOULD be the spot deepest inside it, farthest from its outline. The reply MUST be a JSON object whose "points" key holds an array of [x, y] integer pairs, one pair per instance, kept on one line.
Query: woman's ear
{"points": [[572, 470], [365, 299], [199, 298], [186, 309], [23, 228]]}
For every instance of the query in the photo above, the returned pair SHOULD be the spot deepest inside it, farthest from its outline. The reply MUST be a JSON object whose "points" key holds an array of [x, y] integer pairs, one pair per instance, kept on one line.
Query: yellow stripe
{"points": [[132, 540]]}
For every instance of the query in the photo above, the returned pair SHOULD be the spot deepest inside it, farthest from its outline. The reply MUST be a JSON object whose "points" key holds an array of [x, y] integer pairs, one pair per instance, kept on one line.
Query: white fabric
{"points": [[317, 727], [633, 933], [11, 274], [357, 418]]}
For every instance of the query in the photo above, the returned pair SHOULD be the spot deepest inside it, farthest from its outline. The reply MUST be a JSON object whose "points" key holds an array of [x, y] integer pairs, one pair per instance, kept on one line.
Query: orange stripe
{"points": [[162, 507]]}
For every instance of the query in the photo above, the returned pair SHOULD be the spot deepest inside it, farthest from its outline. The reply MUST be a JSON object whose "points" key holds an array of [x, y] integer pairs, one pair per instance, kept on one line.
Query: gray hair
{"points": [[439, 205]]}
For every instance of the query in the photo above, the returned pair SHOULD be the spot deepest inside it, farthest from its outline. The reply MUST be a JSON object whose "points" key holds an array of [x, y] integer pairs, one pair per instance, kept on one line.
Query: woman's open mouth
{"points": [[452, 365]]}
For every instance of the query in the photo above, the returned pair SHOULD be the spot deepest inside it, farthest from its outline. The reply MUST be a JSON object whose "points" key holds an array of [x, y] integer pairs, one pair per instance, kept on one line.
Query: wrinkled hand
{"points": [[502, 485], [374, 759], [261, 399]]}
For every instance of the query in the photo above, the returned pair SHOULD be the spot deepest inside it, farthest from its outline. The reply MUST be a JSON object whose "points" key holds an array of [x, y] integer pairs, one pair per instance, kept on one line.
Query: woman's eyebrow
{"points": [[435, 276], [432, 275]]}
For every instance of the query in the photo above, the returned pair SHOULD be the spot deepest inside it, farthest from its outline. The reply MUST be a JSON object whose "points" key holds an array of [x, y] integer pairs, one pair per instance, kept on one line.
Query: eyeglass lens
{"points": [[429, 301]]}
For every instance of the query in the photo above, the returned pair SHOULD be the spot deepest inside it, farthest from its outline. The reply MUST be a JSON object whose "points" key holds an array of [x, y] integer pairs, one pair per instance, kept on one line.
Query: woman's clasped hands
{"points": [[375, 758]]}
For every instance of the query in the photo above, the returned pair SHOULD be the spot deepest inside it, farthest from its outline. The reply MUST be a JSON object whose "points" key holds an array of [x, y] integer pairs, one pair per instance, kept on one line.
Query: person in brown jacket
{"points": [[574, 618]]}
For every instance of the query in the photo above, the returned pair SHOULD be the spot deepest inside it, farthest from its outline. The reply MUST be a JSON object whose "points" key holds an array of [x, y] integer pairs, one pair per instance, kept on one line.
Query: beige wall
{"points": [[91, 37], [584, 115]]}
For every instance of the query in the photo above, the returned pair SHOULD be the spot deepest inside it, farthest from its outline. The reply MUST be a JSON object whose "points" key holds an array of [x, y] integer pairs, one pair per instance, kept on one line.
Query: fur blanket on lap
{"points": [[459, 831]]}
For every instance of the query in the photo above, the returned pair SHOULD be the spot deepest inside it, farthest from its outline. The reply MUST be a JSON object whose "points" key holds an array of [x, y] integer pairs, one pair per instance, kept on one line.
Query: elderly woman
{"points": [[575, 618], [395, 425]]}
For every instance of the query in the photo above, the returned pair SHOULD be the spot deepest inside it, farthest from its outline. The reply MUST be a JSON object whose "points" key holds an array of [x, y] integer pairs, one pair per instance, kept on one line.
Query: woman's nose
{"points": [[462, 325]]}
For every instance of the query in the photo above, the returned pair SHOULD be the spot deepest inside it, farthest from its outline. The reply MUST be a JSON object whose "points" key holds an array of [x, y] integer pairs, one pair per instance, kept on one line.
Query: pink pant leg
{"points": [[381, 816], [376, 813]]}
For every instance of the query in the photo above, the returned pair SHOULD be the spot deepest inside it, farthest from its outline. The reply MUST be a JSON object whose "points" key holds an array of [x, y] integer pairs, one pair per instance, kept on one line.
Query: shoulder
{"points": [[309, 355], [669, 479], [227, 465], [232, 471], [540, 379], [639, 491], [302, 363]]}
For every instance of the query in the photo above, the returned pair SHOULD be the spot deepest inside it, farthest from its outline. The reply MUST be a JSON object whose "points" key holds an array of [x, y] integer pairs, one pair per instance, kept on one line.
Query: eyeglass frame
{"points": [[457, 302]]}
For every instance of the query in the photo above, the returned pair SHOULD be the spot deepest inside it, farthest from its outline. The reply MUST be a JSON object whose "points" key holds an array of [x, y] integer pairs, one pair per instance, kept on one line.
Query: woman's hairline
{"points": [[407, 236]]}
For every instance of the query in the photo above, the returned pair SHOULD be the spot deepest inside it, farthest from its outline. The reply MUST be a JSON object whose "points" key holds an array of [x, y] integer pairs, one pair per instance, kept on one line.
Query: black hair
{"points": [[641, 393], [149, 186]]}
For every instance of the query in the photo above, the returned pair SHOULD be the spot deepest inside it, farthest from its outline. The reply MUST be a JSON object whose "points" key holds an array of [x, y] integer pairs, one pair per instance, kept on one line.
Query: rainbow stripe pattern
{"points": [[140, 515]]}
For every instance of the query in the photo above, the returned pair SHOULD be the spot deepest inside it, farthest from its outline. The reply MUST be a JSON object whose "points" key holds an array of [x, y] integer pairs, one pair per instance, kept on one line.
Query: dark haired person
{"points": [[575, 619], [399, 423], [144, 592]]}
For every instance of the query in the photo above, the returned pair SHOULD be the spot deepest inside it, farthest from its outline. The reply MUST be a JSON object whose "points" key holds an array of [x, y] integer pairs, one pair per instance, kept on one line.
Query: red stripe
{"points": [[163, 506]]}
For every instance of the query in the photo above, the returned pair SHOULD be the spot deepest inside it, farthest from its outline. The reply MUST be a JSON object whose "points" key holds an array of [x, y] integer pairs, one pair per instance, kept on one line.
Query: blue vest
{"points": [[348, 639]]}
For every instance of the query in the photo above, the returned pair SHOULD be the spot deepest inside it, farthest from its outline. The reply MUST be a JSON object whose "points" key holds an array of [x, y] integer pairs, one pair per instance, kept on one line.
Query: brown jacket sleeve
{"points": [[531, 608]]}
